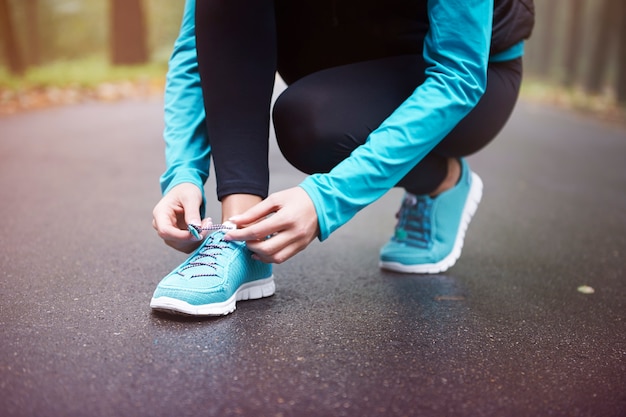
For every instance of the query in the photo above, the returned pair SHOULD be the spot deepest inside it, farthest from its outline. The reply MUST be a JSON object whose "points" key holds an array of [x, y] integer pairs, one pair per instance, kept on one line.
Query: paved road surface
{"points": [[503, 333]]}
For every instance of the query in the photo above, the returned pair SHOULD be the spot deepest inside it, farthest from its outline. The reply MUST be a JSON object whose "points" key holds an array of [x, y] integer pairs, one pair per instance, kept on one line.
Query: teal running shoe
{"points": [[430, 231], [213, 279]]}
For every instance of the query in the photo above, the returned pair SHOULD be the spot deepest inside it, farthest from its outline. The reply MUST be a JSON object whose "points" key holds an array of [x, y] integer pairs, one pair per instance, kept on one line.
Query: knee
{"points": [[305, 132]]}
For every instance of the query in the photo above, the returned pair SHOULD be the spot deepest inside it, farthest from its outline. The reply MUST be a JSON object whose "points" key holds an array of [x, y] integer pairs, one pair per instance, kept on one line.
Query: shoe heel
{"points": [[256, 290]]}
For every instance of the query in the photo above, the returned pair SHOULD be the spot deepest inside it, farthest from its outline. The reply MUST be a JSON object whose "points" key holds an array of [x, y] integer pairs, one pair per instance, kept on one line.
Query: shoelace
{"points": [[196, 230], [414, 225], [207, 256]]}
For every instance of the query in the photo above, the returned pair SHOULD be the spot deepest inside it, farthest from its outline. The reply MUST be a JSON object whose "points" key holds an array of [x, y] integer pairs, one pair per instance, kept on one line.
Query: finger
{"points": [[277, 250], [257, 231], [269, 245], [191, 209], [166, 229], [173, 233], [255, 213], [206, 223], [166, 222]]}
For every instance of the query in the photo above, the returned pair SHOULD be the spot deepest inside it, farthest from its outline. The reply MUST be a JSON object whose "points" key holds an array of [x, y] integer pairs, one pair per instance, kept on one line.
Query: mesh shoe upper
{"points": [[213, 273], [430, 230]]}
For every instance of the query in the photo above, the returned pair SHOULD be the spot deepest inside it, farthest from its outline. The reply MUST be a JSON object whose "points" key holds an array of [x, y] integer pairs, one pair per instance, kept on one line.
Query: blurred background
{"points": [[64, 51]]}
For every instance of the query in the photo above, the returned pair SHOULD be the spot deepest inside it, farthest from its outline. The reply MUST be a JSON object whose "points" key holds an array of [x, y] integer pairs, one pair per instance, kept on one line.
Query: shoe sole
{"points": [[471, 204], [249, 291]]}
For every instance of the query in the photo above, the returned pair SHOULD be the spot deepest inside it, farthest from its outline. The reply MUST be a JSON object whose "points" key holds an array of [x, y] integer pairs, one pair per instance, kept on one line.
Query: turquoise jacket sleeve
{"points": [[187, 149], [456, 50]]}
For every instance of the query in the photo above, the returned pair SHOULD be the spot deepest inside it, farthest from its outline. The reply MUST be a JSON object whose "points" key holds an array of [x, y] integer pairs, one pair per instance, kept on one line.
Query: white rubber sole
{"points": [[249, 291], [471, 204]]}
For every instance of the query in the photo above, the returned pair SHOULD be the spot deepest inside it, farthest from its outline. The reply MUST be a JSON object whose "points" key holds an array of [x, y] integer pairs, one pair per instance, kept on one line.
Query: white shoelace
{"points": [[196, 230]]}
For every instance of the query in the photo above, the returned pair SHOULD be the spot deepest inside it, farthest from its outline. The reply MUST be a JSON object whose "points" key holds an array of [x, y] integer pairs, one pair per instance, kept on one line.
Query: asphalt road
{"points": [[504, 333]]}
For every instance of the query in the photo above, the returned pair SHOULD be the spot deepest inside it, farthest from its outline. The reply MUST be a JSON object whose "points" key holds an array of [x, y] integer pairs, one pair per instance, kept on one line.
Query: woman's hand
{"points": [[288, 217], [176, 210]]}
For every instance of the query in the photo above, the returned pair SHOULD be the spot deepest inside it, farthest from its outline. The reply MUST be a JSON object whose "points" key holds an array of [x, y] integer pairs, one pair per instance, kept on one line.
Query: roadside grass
{"points": [[603, 106], [93, 78], [84, 73], [71, 82]]}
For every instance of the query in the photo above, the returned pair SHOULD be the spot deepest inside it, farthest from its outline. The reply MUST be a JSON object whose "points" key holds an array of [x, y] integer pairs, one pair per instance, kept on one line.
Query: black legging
{"points": [[333, 100]]}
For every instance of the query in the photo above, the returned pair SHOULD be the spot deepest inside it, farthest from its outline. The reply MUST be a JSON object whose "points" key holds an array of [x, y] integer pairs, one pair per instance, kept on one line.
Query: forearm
{"points": [[187, 151]]}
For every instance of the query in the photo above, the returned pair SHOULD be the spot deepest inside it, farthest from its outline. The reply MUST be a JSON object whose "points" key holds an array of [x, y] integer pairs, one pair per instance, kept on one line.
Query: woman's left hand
{"points": [[288, 217]]}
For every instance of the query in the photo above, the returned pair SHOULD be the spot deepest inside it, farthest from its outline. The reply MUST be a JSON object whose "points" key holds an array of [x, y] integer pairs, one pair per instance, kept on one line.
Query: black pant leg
{"points": [[320, 119], [236, 48]]}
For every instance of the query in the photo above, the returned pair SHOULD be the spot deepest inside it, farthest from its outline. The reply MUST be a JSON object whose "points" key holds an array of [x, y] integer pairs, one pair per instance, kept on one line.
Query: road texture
{"points": [[506, 332]]}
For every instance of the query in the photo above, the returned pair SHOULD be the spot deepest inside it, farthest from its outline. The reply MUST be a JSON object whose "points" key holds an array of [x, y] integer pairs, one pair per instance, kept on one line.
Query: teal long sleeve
{"points": [[456, 50], [187, 149]]}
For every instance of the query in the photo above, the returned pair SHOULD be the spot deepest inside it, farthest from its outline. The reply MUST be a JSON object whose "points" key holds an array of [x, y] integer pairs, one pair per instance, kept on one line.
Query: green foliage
{"points": [[604, 106], [83, 73]]}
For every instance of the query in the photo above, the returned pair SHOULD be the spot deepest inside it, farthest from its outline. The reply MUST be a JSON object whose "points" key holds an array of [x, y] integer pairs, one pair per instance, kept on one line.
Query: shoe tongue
{"points": [[217, 236], [213, 242], [413, 226], [205, 256]]}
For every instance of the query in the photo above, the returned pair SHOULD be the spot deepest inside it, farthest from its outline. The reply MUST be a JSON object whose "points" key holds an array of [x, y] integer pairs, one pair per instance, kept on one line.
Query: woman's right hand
{"points": [[177, 209]]}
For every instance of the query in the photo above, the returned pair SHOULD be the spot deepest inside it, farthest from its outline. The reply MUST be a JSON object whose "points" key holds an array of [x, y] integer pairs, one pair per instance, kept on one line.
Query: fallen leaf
{"points": [[586, 289]]}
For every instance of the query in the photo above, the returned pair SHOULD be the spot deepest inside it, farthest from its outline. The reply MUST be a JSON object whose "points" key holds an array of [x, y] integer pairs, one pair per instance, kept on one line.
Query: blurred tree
{"points": [[621, 61], [8, 36], [607, 24], [573, 41], [548, 36], [32, 26], [129, 44]]}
